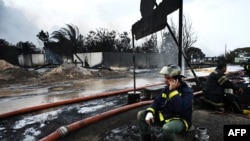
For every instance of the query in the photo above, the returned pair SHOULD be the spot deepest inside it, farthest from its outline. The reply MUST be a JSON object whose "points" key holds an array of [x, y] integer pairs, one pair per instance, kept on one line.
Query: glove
{"points": [[149, 117]]}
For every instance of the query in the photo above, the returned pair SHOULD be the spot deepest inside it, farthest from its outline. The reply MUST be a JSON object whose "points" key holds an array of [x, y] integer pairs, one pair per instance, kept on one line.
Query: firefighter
{"points": [[171, 109], [247, 68], [216, 84]]}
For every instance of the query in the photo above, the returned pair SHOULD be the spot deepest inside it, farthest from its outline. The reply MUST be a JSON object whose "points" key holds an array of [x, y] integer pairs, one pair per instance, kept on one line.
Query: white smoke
{"points": [[15, 26]]}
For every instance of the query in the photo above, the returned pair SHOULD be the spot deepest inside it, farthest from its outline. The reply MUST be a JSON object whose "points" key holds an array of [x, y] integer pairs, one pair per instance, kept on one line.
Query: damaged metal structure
{"points": [[154, 18]]}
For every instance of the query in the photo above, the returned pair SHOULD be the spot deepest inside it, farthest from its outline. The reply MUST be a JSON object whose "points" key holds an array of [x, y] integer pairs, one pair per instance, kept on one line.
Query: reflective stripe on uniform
{"points": [[168, 97], [163, 95], [161, 116], [151, 110], [171, 95], [247, 67], [222, 80]]}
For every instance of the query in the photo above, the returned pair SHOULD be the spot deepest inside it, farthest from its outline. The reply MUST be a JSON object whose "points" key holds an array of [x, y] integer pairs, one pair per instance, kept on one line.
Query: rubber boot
{"points": [[146, 137]]}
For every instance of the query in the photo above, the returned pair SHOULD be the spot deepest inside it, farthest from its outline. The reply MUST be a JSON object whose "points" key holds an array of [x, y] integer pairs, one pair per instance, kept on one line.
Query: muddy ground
{"points": [[10, 74], [203, 116]]}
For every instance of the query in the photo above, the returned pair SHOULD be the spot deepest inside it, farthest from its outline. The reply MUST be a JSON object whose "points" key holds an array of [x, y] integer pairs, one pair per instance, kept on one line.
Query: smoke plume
{"points": [[15, 26]]}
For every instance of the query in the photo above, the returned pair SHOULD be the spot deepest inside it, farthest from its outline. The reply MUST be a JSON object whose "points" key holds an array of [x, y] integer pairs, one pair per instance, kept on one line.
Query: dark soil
{"points": [[213, 122], [203, 115]]}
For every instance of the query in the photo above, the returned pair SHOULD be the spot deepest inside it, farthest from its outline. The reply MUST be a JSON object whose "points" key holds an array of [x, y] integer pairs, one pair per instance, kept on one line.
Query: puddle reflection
{"points": [[32, 95], [67, 90]]}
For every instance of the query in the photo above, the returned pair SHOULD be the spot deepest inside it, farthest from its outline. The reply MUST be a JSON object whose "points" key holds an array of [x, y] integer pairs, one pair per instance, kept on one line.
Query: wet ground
{"points": [[47, 90], [213, 122], [35, 125], [20, 96]]}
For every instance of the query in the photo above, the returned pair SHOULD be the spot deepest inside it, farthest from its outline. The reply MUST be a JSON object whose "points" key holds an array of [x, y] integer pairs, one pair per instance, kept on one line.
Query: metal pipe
{"points": [[201, 134], [134, 66], [180, 33]]}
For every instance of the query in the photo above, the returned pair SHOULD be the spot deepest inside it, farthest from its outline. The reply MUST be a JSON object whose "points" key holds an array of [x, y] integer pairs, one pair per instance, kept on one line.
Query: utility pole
{"points": [[180, 35], [225, 50]]}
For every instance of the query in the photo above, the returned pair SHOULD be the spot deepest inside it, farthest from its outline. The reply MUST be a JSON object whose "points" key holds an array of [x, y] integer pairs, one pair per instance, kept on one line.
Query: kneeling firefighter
{"points": [[171, 109]]}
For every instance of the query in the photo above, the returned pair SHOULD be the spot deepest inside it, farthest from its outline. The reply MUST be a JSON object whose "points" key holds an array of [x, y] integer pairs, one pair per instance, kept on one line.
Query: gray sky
{"points": [[219, 24]]}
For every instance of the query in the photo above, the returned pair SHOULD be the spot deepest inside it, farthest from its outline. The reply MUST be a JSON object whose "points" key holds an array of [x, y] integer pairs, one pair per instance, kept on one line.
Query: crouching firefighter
{"points": [[171, 109]]}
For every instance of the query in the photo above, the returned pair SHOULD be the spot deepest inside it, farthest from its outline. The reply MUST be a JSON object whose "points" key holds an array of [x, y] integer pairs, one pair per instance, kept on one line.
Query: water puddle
{"points": [[32, 95]]}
